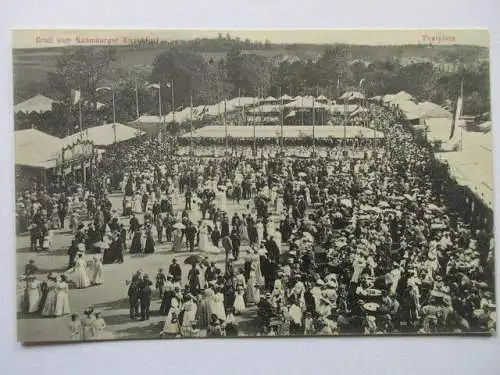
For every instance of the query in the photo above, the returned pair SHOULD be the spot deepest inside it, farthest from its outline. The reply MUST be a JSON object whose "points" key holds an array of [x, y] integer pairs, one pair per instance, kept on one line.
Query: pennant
{"points": [[75, 96]]}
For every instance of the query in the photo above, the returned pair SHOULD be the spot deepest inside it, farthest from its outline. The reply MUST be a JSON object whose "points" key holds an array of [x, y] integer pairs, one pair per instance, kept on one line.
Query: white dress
{"points": [[204, 240], [62, 299], [81, 277], [260, 231], [239, 302], [97, 273], [34, 296]]}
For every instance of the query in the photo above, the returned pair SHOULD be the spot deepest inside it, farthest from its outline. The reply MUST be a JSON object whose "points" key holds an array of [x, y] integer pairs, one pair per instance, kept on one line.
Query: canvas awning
{"points": [[104, 135], [38, 104], [36, 149]]}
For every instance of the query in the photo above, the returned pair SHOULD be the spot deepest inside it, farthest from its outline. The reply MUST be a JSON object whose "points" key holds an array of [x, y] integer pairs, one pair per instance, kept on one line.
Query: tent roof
{"points": [[34, 148], [485, 126], [265, 108], [269, 99], [321, 97], [349, 95], [104, 135], [402, 96], [439, 129], [286, 97], [38, 104], [269, 131], [305, 102], [472, 166], [432, 110]]}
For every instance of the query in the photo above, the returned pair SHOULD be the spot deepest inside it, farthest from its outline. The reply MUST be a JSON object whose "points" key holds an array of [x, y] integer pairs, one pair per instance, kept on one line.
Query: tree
{"points": [[187, 70]]}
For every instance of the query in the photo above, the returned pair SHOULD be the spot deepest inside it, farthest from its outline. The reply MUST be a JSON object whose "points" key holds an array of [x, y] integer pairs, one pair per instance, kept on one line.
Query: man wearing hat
{"points": [[145, 293], [175, 270]]}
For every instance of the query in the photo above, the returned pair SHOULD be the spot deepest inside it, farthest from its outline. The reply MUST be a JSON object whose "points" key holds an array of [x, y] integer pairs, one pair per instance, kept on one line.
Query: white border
{"points": [[310, 356]]}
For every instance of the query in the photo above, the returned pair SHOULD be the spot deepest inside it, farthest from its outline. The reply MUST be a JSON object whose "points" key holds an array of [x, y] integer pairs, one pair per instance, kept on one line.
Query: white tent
{"points": [[269, 99], [104, 135], [286, 98], [265, 108], [305, 102], [36, 149], [402, 96], [270, 131], [432, 110], [38, 104], [352, 95]]}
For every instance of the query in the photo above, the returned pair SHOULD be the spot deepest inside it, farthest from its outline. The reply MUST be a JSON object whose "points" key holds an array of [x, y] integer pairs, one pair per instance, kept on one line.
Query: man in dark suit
{"points": [[211, 273], [123, 235], [235, 243], [145, 297], [133, 297], [175, 271], [119, 247], [224, 227], [215, 236], [191, 236], [273, 251]]}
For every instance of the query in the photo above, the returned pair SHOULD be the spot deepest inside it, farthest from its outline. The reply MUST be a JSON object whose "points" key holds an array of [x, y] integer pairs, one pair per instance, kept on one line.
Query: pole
{"points": [[254, 140], [282, 121], [137, 101], [191, 125], [114, 114], [314, 127], [173, 100], [225, 126], [80, 108]]}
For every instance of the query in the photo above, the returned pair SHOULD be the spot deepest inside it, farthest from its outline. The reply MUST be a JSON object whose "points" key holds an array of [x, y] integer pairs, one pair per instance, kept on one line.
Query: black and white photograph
{"points": [[181, 184]]}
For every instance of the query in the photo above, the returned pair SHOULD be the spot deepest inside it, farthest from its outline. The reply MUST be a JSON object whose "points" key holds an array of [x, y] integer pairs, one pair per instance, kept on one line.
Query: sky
{"points": [[57, 37]]}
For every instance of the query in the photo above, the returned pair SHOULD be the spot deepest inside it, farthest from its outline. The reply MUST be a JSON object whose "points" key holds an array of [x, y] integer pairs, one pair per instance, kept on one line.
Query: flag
{"points": [[103, 88], [361, 82], [75, 96]]}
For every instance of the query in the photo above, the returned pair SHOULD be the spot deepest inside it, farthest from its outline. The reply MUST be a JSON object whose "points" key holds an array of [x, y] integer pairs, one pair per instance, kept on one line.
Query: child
{"points": [[239, 302], [76, 328]]}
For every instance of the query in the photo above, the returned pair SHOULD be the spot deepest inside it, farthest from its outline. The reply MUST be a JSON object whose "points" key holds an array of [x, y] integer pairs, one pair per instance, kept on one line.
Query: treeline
{"points": [[199, 80]]}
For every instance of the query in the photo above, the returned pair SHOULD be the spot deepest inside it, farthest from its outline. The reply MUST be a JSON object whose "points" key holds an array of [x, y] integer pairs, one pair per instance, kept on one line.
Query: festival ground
{"points": [[111, 298]]}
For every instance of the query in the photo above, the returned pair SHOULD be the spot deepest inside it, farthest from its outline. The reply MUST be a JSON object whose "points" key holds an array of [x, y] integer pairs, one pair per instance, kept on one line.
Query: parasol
{"points": [[193, 259], [179, 226], [302, 174], [346, 202]]}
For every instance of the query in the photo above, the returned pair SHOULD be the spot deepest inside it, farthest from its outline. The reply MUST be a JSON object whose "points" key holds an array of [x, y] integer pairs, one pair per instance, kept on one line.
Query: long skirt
{"points": [[49, 308]]}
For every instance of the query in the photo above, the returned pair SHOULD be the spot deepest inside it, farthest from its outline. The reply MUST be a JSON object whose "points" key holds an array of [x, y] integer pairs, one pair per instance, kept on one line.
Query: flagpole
{"points": [[282, 120], [254, 140], [191, 126], [225, 126], [173, 100], [80, 108], [314, 127], [137, 101], [159, 99], [114, 114]]}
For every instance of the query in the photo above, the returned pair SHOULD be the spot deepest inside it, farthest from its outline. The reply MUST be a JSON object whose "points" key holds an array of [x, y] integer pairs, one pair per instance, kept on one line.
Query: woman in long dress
{"points": [[81, 278], [149, 247], [205, 242], [137, 203], [217, 305], [203, 312], [239, 302], [49, 307], [75, 326], [97, 278], [243, 229], [88, 327], [256, 267], [136, 245], [34, 294], [260, 231], [177, 240], [189, 315], [252, 290], [62, 297], [99, 328]]}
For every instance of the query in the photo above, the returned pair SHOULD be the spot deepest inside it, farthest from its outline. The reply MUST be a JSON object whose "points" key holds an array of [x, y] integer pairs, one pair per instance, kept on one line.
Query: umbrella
{"points": [[302, 174], [179, 226], [192, 259]]}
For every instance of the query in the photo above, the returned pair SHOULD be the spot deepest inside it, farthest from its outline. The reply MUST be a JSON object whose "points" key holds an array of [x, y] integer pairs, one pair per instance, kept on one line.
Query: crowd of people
{"points": [[357, 239]]}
